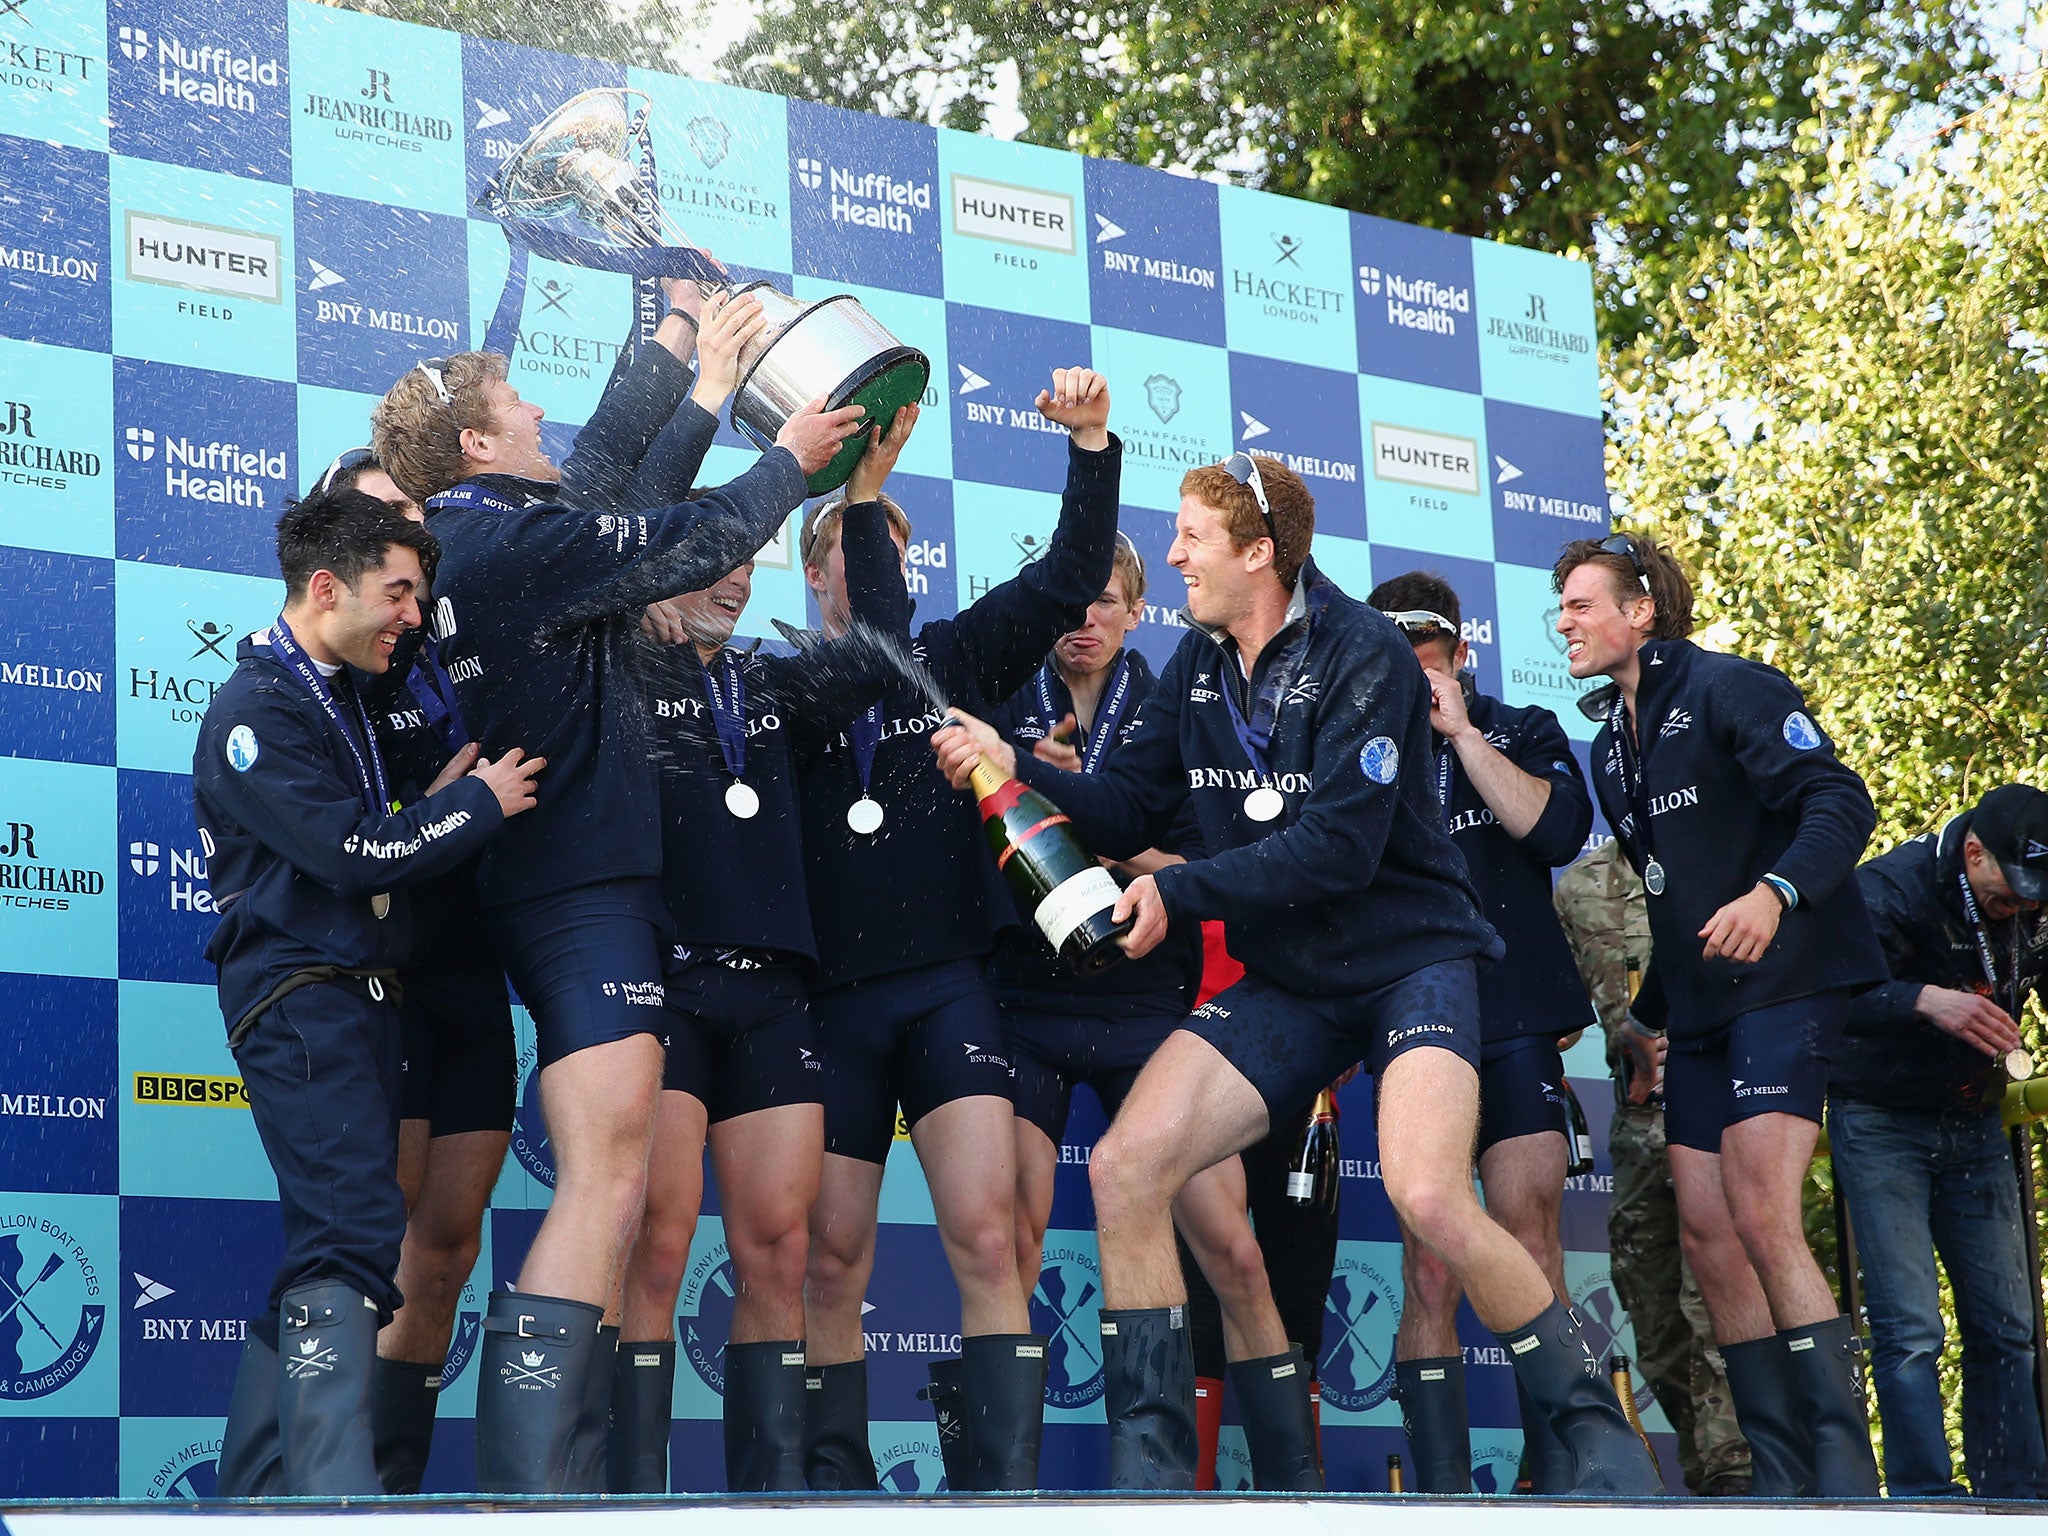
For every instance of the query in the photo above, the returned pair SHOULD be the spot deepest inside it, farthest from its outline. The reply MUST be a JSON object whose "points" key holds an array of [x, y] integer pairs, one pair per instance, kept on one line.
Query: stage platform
{"points": [[1337, 1514]]}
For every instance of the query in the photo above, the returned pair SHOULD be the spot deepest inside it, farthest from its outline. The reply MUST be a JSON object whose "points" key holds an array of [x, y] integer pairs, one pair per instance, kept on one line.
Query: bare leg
{"points": [[1211, 1213], [842, 1257], [769, 1166], [966, 1150], [1038, 1161], [1728, 1283], [1763, 1167], [675, 1195], [443, 1231]]}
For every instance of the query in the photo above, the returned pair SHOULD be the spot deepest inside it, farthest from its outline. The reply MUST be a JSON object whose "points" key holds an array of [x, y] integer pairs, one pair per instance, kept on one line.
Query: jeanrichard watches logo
{"points": [[371, 115], [207, 258], [205, 75]]}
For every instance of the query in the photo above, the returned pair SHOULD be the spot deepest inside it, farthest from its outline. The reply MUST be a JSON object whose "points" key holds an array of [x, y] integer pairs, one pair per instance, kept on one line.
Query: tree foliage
{"points": [[1551, 123], [637, 32]]}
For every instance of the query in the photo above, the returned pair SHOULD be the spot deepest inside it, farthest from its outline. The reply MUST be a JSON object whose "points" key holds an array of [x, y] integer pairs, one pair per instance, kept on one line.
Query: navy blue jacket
{"points": [[1741, 782], [1891, 1056], [1535, 989], [924, 888], [544, 601], [295, 855], [1024, 972], [1356, 884]]}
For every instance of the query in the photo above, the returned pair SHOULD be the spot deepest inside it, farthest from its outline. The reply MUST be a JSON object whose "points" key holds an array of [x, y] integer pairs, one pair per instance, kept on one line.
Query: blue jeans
{"points": [[1916, 1184]]}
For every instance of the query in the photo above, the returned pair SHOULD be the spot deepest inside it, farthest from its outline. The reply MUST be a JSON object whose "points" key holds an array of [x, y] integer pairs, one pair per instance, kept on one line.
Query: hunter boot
{"points": [[1279, 1427], [535, 1362], [1566, 1385], [1208, 1430], [947, 1393], [1546, 1460], [1780, 1451], [643, 1403], [327, 1346], [1148, 1378], [1827, 1396], [1004, 1378], [764, 1417], [1432, 1395], [590, 1456], [837, 1458], [404, 1397], [251, 1462]]}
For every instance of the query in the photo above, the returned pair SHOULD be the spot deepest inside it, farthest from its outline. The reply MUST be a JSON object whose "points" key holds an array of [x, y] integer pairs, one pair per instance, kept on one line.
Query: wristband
{"points": [[1786, 892]]}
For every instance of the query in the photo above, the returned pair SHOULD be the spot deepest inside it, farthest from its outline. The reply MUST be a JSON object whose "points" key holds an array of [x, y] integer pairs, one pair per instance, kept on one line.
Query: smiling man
{"points": [[1745, 827], [309, 861], [1295, 721]]}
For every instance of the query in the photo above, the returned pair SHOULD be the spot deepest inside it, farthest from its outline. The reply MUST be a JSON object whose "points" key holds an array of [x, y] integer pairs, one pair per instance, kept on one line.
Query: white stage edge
{"points": [[1025, 1515]]}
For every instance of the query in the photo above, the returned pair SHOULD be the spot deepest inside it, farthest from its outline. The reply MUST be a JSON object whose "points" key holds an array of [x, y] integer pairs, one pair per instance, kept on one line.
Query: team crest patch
{"points": [[1380, 760], [1801, 732], [241, 749]]}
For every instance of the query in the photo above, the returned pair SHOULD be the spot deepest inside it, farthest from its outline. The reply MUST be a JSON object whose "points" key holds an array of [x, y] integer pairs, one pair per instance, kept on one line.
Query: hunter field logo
{"points": [[1434, 460], [1030, 216], [53, 1312], [1357, 1368], [1065, 1306], [204, 258], [704, 1315]]}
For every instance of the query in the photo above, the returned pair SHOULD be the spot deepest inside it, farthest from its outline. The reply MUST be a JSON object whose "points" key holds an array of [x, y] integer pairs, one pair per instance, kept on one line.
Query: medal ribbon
{"points": [[1256, 734], [1635, 774], [468, 495], [434, 690], [1108, 716], [370, 770], [727, 691], [1981, 933], [865, 736]]}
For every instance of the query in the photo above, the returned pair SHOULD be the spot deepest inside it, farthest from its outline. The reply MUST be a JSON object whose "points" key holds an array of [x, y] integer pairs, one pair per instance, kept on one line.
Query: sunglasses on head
{"points": [[1244, 469], [1124, 542], [344, 461], [1622, 544], [1420, 621], [435, 368]]}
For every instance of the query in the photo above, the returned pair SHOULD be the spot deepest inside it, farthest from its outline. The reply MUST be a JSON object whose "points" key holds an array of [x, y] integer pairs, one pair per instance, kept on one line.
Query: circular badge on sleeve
{"points": [[1380, 760], [242, 749], [1801, 732]]}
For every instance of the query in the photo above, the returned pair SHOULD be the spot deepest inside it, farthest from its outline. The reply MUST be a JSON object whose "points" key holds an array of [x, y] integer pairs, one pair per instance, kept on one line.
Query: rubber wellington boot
{"points": [[1566, 1385], [643, 1404], [535, 1361], [947, 1393], [327, 1346], [1432, 1394], [251, 1462], [404, 1398], [1279, 1427], [1208, 1430], [1148, 1380], [1004, 1378], [1780, 1452], [764, 1417], [1821, 1366], [836, 1454], [1546, 1459], [590, 1458]]}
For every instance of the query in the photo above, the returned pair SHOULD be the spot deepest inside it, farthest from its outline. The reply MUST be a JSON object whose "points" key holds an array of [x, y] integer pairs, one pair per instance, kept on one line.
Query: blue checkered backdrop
{"points": [[227, 224]]}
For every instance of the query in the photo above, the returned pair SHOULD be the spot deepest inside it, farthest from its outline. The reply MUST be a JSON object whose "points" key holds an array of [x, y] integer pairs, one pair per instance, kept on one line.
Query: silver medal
{"points": [[1264, 803], [1653, 878], [2019, 1064], [380, 904], [741, 800], [865, 816]]}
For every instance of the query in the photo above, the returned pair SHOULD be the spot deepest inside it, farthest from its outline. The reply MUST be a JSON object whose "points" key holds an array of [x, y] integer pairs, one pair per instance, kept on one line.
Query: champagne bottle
{"points": [[1312, 1164], [1577, 1132], [1039, 852], [1624, 1390], [1397, 1481]]}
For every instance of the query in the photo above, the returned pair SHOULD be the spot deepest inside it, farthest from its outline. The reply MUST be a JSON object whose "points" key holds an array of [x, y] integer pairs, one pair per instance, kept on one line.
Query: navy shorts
{"points": [[1056, 1051], [587, 963], [919, 1038], [740, 1034], [1521, 1089], [461, 1070], [1770, 1061], [1291, 1047]]}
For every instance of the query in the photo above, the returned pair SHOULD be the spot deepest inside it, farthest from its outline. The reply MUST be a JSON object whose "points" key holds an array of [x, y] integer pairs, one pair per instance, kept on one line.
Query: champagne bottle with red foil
{"points": [[1312, 1164], [1070, 896]]}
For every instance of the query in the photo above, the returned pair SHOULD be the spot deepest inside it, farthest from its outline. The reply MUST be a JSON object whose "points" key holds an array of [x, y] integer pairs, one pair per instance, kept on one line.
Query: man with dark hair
{"points": [[1919, 1146], [1745, 827], [1517, 807], [1296, 722], [308, 862], [537, 599]]}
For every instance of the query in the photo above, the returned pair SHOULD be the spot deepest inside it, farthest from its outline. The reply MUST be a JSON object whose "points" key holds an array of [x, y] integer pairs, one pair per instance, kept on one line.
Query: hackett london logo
{"points": [[1281, 289], [371, 116], [1435, 460], [30, 65], [206, 76], [994, 210], [204, 258]]}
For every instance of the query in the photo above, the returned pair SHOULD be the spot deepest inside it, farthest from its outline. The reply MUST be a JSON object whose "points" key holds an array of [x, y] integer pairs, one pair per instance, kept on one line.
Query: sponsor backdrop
{"points": [[224, 229]]}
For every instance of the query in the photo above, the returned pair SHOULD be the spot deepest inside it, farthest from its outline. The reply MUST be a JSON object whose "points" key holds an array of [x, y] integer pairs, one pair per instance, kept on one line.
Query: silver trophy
{"points": [[582, 189]]}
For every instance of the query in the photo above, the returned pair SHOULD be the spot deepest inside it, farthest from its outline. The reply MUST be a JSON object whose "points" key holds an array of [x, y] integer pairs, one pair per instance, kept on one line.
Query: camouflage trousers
{"points": [[1674, 1341]]}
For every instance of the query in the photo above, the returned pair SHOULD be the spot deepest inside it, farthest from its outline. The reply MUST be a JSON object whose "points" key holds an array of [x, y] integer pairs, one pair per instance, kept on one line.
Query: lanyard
{"points": [[468, 495], [1108, 716], [370, 773], [1443, 780], [727, 691], [1985, 958], [865, 735], [430, 685], [1256, 734], [1635, 772]]}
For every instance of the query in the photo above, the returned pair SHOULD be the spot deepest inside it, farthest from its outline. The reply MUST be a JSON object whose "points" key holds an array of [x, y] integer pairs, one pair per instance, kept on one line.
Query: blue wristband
{"points": [[1786, 891]]}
